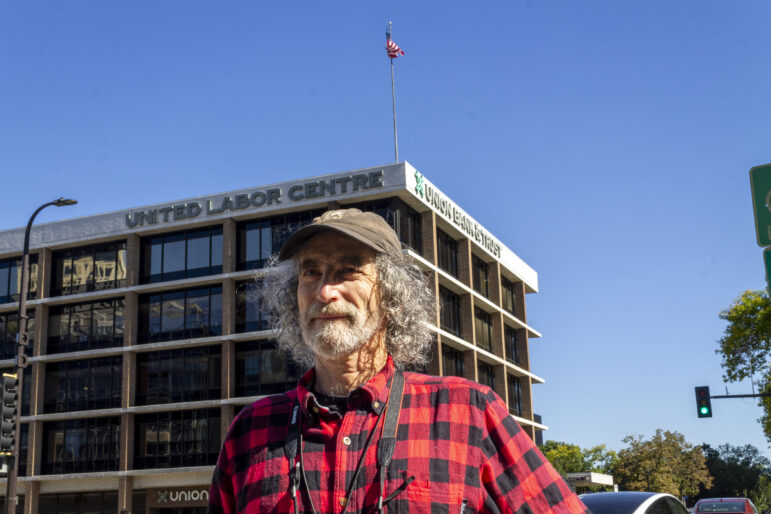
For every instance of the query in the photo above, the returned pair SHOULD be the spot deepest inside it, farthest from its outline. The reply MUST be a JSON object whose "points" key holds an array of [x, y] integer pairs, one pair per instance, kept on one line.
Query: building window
{"points": [[261, 368], [447, 253], [180, 314], [483, 329], [193, 253], [449, 311], [453, 363], [512, 351], [23, 445], [254, 244], [89, 268], [177, 438], [515, 395], [9, 329], [185, 375], [10, 279], [249, 315], [81, 445], [82, 385], [509, 297], [486, 374], [480, 276], [90, 502], [85, 326], [403, 219]]}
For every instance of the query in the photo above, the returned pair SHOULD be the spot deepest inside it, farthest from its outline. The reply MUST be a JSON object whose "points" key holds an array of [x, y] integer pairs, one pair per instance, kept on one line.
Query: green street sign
{"points": [[760, 183], [767, 262]]}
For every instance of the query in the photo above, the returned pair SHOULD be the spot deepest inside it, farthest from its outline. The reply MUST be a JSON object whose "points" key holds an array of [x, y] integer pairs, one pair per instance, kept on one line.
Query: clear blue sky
{"points": [[606, 143]]}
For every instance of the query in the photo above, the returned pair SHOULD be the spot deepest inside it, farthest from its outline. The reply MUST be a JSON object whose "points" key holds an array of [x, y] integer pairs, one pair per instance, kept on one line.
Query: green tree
{"points": [[665, 463], [599, 459], [745, 347], [738, 471], [566, 458]]}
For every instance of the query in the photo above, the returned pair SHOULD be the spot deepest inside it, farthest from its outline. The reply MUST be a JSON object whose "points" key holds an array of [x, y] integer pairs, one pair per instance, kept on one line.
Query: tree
{"points": [[665, 463], [745, 347], [566, 458], [738, 471], [599, 459]]}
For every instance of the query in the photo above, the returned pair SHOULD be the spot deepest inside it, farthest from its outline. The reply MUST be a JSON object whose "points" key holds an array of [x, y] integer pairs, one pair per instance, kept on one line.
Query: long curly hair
{"points": [[405, 301]]}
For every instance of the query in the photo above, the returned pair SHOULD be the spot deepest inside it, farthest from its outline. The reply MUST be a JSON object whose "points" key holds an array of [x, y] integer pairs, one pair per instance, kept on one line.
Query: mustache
{"points": [[319, 309]]}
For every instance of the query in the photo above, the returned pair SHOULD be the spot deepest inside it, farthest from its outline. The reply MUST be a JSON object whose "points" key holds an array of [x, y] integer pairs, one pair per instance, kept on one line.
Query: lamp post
{"points": [[22, 340]]}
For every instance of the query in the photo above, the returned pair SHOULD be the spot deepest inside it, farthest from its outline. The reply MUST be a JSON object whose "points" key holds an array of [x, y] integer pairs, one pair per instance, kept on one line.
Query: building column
{"points": [[125, 490], [500, 380], [130, 318], [34, 448], [229, 235], [227, 413], [464, 262], [31, 497], [44, 271], [519, 302], [126, 442], [499, 347], [428, 236], [494, 279], [228, 307], [523, 349], [470, 365], [228, 366]]}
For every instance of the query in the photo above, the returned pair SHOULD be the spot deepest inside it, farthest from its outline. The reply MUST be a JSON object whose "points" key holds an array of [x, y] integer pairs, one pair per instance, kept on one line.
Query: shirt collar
{"points": [[371, 396]]}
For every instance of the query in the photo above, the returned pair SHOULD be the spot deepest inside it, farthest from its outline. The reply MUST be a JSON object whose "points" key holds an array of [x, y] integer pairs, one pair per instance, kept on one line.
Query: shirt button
{"points": [[376, 404], [316, 410], [347, 441], [342, 502]]}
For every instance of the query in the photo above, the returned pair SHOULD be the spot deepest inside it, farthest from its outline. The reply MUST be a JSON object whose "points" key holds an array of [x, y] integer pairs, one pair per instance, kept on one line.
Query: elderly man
{"points": [[359, 434]]}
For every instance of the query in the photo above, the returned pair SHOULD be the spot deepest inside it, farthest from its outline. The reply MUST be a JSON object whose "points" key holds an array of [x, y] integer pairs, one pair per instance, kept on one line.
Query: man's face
{"points": [[337, 294]]}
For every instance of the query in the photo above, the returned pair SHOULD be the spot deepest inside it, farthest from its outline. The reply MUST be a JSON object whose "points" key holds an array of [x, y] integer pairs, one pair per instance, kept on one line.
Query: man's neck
{"points": [[342, 374]]}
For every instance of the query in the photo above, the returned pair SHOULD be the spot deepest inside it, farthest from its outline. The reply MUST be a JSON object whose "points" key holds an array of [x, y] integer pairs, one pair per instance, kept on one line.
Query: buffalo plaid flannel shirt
{"points": [[455, 437]]}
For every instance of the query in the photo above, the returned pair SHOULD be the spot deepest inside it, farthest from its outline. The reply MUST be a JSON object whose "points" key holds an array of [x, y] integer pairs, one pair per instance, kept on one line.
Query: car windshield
{"points": [[613, 503], [721, 507]]}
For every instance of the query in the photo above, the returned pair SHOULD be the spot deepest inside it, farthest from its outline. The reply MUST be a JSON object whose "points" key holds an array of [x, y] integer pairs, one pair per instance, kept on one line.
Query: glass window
{"points": [[184, 375], [82, 385], [480, 276], [10, 278], [486, 374], [9, 329], [177, 438], [85, 326], [180, 314], [512, 350], [81, 445], [249, 316], [453, 363], [81, 502], [261, 368], [23, 445], [89, 268], [509, 297], [193, 253], [449, 311], [447, 253], [483, 329], [515, 395]]}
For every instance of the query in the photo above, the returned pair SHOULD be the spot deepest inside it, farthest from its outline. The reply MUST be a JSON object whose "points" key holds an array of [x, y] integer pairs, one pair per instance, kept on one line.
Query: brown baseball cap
{"points": [[366, 227]]}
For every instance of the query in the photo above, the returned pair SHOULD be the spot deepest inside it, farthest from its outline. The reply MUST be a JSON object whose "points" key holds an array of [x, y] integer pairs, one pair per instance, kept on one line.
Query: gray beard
{"points": [[339, 337]]}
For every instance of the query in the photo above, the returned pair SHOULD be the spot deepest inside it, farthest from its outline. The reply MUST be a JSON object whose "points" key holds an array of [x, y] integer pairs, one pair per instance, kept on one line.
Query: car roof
{"points": [[623, 499]]}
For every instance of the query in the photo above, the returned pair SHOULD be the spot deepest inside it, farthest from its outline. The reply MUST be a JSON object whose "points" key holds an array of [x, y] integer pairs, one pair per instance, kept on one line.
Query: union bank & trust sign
{"points": [[256, 199]]}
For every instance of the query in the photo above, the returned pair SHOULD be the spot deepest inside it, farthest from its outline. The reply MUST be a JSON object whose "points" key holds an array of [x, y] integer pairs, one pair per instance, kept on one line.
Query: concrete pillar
{"points": [[130, 318], [499, 349], [125, 488], [467, 318], [31, 497], [128, 380], [464, 261], [228, 366], [519, 302], [229, 246], [44, 266], [34, 448], [126, 442], [227, 414], [428, 236], [523, 349], [133, 259], [494, 277], [228, 307]]}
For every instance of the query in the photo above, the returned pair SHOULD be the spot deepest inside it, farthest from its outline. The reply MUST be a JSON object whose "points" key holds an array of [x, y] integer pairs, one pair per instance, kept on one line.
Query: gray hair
{"points": [[406, 303]]}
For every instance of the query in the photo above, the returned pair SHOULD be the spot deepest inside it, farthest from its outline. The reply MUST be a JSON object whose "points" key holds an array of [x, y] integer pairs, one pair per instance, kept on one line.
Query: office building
{"points": [[146, 340]]}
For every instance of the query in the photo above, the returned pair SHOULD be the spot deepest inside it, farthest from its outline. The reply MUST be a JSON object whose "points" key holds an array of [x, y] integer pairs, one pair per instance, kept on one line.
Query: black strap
{"points": [[387, 443]]}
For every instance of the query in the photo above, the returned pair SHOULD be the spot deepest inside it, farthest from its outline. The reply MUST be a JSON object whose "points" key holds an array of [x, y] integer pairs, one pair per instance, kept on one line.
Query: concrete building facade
{"points": [[146, 340]]}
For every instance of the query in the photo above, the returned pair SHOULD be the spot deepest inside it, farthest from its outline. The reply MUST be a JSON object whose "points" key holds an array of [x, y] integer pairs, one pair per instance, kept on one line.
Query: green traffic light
{"points": [[704, 409]]}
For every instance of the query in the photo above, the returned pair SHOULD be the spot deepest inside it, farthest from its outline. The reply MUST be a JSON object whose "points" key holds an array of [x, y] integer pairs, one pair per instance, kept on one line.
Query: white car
{"points": [[633, 503]]}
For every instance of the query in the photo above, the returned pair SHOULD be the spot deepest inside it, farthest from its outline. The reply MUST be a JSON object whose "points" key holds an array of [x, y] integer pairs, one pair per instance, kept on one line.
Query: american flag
{"points": [[392, 48]]}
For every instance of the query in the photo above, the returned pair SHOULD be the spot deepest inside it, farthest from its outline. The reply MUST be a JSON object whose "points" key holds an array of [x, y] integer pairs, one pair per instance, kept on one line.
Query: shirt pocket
{"points": [[435, 493]]}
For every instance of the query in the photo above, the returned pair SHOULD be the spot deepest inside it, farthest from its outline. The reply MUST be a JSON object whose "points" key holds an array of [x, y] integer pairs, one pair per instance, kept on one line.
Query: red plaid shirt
{"points": [[455, 437]]}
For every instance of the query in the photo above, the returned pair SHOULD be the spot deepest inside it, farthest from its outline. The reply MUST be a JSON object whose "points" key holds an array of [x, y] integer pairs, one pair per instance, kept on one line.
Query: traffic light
{"points": [[703, 402], [8, 413]]}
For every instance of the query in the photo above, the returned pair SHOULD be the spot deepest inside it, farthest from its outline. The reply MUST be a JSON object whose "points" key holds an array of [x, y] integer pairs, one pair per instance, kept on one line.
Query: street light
{"points": [[22, 340]]}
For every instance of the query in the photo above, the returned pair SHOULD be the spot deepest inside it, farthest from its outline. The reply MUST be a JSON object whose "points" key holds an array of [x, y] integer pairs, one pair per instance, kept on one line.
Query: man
{"points": [[359, 434]]}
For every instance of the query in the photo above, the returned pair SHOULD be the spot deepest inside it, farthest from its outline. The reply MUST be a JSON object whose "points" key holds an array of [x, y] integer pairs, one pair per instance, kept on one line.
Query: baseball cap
{"points": [[366, 227]]}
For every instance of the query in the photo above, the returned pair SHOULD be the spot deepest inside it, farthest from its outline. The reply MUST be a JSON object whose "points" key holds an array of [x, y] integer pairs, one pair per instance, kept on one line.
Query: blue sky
{"points": [[606, 143]]}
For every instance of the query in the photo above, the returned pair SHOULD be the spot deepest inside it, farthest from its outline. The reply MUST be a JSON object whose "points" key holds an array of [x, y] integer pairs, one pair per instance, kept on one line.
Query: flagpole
{"points": [[393, 103]]}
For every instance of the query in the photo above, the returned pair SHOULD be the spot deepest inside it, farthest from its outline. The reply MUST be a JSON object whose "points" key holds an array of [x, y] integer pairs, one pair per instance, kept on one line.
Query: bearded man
{"points": [[360, 434]]}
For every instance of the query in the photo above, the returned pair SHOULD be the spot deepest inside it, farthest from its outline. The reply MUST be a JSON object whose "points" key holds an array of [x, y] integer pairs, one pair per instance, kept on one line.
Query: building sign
{"points": [[452, 213], [253, 200], [172, 497]]}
